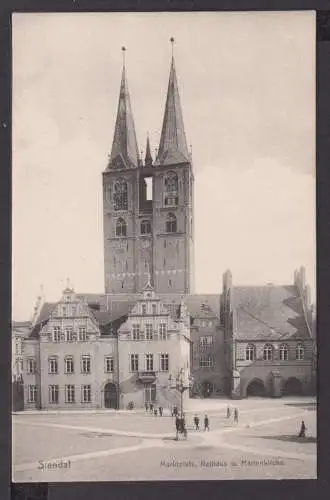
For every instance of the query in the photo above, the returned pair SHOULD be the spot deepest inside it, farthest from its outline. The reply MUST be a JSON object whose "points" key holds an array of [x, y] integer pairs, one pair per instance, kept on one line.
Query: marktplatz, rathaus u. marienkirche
{"points": [[118, 349]]}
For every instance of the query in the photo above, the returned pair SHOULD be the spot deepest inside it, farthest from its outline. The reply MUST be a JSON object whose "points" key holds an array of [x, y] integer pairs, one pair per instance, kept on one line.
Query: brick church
{"points": [[119, 349]]}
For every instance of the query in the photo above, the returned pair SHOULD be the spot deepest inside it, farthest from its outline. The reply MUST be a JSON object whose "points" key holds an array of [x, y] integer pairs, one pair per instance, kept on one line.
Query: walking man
{"points": [[160, 411], [177, 426], [302, 433], [147, 407], [206, 423], [196, 422], [155, 412], [151, 407], [228, 412], [236, 415]]}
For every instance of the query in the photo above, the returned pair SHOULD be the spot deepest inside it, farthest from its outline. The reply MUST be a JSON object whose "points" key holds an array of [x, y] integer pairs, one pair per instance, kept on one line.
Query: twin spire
{"points": [[173, 145]]}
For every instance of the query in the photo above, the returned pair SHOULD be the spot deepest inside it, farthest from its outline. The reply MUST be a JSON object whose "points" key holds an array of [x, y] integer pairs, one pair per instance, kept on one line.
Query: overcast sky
{"points": [[247, 88]]}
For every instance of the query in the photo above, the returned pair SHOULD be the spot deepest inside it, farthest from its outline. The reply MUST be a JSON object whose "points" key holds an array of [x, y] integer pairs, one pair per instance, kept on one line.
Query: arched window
{"points": [[300, 352], [268, 352], [120, 200], [171, 224], [171, 189], [250, 352], [284, 352], [120, 227], [145, 226]]}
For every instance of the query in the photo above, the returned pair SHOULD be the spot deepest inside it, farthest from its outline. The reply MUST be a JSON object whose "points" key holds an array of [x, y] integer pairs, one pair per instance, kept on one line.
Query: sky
{"points": [[247, 89]]}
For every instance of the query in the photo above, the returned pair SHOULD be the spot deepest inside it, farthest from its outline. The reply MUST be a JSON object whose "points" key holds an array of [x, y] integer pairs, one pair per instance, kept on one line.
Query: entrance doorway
{"points": [[292, 387], [110, 396], [256, 388], [150, 393]]}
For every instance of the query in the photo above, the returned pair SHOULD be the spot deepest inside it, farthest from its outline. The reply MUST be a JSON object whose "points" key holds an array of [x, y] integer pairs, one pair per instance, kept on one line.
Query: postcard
{"points": [[164, 296]]}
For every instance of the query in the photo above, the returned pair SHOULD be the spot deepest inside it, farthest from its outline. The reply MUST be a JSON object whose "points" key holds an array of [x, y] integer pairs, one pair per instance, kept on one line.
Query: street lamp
{"points": [[181, 384]]}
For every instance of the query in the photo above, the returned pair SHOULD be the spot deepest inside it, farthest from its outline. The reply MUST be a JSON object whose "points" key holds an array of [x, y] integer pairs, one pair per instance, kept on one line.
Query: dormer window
{"points": [[144, 309]]}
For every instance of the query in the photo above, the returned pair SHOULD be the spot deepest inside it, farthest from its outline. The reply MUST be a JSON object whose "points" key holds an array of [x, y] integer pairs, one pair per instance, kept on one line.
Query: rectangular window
{"points": [[164, 363], [31, 365], [82, 334], [136, 332], [206, 341], [69, 394], [68, 364], [52, 365], [86, 364], [69, 334], [109, 364], [86, 394], [56, 334], [162, 331], [74, 310], [32, 393], [206, 362], [64, 311], [149, 362], [53, 394], [149, 331], [154, 309], [134, 362], [144, 309]]}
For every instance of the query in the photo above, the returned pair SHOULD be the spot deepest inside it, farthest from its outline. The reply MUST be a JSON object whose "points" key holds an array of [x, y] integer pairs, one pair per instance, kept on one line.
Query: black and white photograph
{"points": [[163, 246]]}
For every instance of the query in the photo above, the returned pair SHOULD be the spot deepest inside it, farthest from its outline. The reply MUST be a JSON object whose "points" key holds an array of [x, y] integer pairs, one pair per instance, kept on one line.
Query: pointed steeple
{"points": [[148, 157], [173, 145], [124, 151]]}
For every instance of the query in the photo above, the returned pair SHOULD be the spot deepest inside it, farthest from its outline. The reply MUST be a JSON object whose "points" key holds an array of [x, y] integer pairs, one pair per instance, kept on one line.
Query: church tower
{"points": [[148, 207]]}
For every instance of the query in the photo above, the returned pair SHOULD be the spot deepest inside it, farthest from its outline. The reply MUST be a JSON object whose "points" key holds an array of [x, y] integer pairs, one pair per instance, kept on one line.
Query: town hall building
{"points": [[121, 348]]}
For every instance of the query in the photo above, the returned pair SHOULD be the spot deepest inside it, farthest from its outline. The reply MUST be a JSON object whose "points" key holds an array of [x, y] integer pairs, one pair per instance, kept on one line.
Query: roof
{"points": [[273, 312], [124, 151], [173, 145]]}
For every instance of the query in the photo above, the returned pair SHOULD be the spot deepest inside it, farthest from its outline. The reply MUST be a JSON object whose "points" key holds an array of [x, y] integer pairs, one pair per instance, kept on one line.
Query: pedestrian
{"points": [[206, 423], [177, 426], [196, 422], [147, 406], [183, 426], [236, 415], [160, 409], [151, 407], [228, 412], [302, 432], [155, 412]]}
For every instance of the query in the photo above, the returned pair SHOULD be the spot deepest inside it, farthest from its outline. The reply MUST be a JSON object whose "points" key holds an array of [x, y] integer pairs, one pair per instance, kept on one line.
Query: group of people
{"points": [[153, 409], [235, 414], [206, 423]]}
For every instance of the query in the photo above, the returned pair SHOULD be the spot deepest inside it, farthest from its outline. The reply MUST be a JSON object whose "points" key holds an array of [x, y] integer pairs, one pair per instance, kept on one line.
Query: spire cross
{"points": [[123, 49], [172, 42]]}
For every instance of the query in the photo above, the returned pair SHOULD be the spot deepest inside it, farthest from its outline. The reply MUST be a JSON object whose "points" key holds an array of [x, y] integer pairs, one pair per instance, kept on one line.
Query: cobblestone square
{"points": [[114, 446]]}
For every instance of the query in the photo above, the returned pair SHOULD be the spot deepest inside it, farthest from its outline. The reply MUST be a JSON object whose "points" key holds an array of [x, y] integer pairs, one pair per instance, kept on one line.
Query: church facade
{"points": [[120, 349]]}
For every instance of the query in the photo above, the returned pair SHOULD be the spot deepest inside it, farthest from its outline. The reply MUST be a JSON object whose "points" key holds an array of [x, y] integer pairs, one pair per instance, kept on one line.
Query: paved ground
{"points": [[116, 446]]}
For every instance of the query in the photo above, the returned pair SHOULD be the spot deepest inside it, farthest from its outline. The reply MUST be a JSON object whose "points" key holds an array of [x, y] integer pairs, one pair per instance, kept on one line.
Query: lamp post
{"points": [[180, 383]]}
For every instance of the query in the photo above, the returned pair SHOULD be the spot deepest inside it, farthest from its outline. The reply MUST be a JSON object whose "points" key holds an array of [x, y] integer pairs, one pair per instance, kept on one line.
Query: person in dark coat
{"points": [[147, 406], [206, 423], [196, 422], [228, 412], [302, 432], [160, 409], [177, 426], [151, 407], [236, 415], [155, 412]]}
